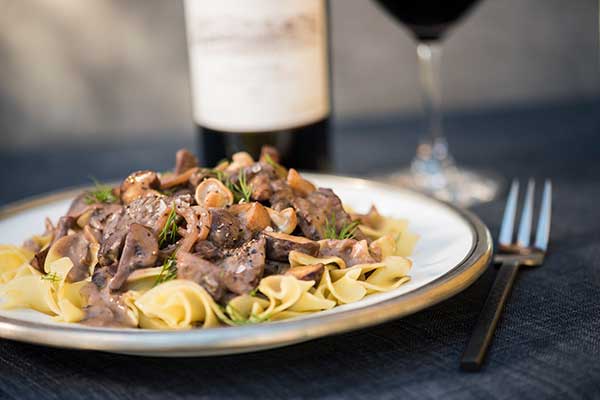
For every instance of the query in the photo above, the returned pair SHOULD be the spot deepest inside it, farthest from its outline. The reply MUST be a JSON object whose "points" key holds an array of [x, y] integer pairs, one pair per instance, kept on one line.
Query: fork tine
{"points": [[524, 235], [543, 229], [508, 220]]}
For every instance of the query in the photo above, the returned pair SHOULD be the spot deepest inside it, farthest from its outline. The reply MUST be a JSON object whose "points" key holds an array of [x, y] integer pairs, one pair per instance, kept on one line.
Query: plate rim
{"points": [[249, 338]]}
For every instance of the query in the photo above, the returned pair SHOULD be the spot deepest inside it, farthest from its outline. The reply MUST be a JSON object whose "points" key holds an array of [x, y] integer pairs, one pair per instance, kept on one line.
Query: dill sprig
{"points": [[168, 271], [347, 231], [100, 194], [51, 276], [237, 318], [279, 169], [241, 190], [168, 234]]}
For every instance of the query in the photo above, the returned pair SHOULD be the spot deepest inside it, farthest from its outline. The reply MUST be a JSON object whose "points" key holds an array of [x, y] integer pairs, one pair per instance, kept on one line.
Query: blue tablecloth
{"points": [[547, 344]]}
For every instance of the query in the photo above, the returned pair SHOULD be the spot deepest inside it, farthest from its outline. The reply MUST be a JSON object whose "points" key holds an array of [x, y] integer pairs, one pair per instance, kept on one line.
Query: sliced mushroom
{"points": [[298, 183], [184, 160], [307, 272], [269, 152], [62, 228], [78, 249], [253, 216], [80, 206], [285, 220], [212, 193], [139, 184], [140, 251], [169, 181], [280, 244]]}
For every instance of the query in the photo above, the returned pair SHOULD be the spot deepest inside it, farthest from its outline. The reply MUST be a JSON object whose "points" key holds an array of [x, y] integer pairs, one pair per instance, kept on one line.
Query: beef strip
{"points": [[279, 245], [208, 250], [273, 267], [244, 266], [261, 187], [352, 251], [140, 251], [282, 196], [208, 275], [225, 230], [317, 209]]}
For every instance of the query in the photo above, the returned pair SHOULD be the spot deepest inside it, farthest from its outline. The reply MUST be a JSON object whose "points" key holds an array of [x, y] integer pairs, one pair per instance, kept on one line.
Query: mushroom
{"points": [[138, 184], [76, 247], [140, 251], [184, 160], [285, 220], [307, 272], [298, 183], [253, 216], [168, 181], [280, 244], [239, 160], [212, 193]]}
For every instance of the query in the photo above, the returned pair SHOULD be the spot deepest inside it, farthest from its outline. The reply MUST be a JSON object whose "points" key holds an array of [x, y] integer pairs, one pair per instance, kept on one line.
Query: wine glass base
{"points": [[458, 186]]}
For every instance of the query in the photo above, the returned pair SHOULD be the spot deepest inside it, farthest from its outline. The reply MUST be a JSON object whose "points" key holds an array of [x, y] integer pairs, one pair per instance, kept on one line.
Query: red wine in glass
{"points": [[428, 20]]}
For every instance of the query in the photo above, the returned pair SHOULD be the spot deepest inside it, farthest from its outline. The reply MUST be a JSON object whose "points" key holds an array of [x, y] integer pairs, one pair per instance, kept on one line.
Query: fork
{"points": [[511, 257]]}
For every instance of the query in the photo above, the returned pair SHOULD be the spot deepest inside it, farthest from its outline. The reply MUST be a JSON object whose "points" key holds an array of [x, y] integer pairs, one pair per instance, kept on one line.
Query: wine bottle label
{"points": [[258, 65]]}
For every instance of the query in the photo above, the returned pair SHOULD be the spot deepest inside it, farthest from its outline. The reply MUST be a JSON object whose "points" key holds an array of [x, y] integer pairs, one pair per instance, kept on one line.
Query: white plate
{"points": [[454, 249]]}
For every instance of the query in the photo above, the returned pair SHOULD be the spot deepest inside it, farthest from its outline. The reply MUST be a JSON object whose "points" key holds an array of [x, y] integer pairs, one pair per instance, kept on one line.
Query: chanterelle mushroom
{"points": [[298, 183], [212, 193], [139, 184], [285, 220], [140, 251], [253, 216], [184, 160], [307, 272]]}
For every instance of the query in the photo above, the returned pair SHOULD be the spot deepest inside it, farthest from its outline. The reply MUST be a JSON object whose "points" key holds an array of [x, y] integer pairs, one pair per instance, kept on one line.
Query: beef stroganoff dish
{"points": [[244, 242]]}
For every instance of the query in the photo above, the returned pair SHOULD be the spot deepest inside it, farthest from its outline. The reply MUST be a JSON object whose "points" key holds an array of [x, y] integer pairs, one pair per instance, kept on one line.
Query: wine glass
{"points": [[433, 169]]}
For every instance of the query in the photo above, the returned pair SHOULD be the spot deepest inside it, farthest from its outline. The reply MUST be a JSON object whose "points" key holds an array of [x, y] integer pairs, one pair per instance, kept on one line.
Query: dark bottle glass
{"points": [[260, 75]]}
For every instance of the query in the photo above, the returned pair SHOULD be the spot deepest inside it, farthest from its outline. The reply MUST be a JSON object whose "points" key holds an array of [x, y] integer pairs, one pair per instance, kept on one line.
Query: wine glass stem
{"points": [[432, 154]]}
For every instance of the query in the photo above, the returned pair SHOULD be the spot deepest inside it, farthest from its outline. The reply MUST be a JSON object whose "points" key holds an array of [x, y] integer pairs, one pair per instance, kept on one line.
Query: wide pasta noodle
{"points": [[11, 259], [177, 304], [49, 294]]}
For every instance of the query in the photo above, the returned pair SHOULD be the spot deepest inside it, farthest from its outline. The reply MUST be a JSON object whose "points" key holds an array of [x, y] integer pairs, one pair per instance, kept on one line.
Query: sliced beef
{"points": [[318, 209], [140, 251], [244, 266], [279, 245], [195, 268], [282, 196], [273, 267], [225, 230], [352, 251], [80, 205], [208, 250], [184, 160], [261, 187], [100, 215]]}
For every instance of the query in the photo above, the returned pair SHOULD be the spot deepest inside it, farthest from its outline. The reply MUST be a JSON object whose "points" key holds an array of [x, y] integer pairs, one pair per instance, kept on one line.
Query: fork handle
{"points": [[474, 354]]}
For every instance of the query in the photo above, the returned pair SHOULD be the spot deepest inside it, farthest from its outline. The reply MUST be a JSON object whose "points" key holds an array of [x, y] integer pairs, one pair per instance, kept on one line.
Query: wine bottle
{"points": [[260, 75]]}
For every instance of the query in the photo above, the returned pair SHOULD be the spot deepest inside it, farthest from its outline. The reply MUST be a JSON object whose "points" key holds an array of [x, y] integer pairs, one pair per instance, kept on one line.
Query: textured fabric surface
{"points": [[547, 344]]}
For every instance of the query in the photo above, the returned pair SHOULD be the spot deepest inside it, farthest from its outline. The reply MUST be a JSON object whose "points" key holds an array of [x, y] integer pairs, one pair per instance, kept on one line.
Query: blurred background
{"points": [[93, 71]]}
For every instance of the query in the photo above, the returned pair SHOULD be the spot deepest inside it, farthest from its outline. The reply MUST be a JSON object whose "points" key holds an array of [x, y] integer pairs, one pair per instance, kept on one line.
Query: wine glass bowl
{"points": [[433, 169]]}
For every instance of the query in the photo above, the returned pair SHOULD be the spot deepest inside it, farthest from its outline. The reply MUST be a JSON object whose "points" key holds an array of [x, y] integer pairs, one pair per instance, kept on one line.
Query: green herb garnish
{"points": [[241, 190], [253, 292], [168, 234], [168, 271], [51, 276], [347, 231], [279, 169], [237, 318], [100, 194]]}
